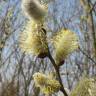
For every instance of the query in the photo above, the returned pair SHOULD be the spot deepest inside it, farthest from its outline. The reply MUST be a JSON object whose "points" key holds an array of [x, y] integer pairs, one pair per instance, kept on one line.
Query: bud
{"points": [[33, 40], [65, 42], [46, 84]]}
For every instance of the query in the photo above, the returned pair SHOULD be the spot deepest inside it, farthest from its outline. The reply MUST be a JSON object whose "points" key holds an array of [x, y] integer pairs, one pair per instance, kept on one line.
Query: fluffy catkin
{"points": [[33, 9], [85, 87], [33, 40], [46, 84], [65, 42]]}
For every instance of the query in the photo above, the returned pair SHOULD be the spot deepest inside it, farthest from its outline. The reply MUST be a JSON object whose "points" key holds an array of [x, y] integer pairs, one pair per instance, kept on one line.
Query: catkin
{"points": [[33, 9]]}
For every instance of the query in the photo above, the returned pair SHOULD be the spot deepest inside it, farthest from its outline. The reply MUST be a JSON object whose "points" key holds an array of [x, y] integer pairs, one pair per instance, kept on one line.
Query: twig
{"points": [[58, 74], [93, 7], [87, 56]]}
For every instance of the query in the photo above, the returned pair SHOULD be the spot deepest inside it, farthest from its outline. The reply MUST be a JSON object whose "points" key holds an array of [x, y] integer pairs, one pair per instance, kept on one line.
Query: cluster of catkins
{"points": [[34, 40]]}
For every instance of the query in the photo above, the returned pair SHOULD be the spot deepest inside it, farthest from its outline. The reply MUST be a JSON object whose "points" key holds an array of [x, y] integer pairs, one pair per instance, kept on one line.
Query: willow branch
{"points": [[58, 73]]}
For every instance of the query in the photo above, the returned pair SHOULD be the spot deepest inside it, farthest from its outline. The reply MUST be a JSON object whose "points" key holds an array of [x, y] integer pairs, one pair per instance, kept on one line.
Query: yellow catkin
{"points": [[65, 42], [85, 87], [39, 79], [51, 87], [33, 40], [46, 84]]}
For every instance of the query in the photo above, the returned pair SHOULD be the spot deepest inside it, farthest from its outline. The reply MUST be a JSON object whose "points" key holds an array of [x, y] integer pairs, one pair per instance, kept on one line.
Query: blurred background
{"points": [[17, 68]]}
